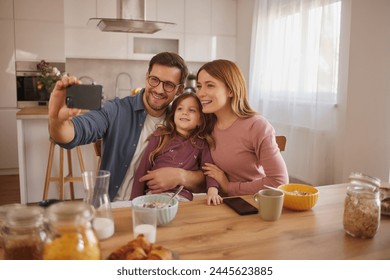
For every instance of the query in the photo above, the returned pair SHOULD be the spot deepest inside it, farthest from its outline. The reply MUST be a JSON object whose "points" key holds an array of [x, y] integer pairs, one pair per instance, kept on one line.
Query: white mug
{"points": [[270, 204]]}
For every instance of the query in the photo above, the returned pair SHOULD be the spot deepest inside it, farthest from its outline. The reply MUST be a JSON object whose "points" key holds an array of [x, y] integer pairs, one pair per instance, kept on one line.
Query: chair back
{"points": [[281, 141], [98, 151]]}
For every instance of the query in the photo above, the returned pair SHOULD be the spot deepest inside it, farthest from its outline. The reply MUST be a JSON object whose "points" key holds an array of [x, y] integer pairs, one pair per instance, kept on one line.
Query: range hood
{"points": [[131, 19]]}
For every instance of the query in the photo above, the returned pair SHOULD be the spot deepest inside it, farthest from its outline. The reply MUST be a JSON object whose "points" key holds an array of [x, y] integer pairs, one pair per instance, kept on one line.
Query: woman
{"points": [[246, 155]]}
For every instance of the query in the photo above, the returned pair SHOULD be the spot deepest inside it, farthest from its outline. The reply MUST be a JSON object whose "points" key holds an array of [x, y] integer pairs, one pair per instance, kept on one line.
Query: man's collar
{"points": [[139, 104]]}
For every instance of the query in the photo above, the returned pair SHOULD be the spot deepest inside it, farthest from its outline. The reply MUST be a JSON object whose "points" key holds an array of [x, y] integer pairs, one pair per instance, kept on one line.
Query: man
{"points": [[124, 124]]}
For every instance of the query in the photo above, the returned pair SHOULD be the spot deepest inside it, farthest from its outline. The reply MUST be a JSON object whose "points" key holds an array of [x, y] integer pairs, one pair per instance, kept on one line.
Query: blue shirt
{"points": [[119, 123]]}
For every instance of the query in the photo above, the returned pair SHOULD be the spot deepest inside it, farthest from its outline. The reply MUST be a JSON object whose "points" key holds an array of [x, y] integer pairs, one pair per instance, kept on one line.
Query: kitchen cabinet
{"points": [[204, 30], [92, 43], [171, 11], [33, 152], [210, 30], [8, 143], [39, 30], [198, 17], [7, 65], [6, 9], [223, 17], [83, 39], [8, 139]]}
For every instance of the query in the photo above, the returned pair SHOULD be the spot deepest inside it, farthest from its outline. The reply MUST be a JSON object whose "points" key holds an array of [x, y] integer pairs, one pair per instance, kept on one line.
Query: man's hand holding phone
{"points": [[60, 126]]}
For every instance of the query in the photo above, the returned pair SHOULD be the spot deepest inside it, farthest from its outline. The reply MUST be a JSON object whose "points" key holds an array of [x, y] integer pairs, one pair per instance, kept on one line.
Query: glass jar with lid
{"points": [[23, 233], [3, 213], [362, 206], [70, 232]]}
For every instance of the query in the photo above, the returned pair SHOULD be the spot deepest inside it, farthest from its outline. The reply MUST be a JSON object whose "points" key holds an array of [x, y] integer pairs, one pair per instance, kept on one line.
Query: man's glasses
{"points": [[167, 86]]}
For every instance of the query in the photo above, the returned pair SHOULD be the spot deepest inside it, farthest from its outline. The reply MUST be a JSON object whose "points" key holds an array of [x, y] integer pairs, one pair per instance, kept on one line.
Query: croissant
{"points": [[136, 254], [141, 241], [160, 254], [141, 249]]}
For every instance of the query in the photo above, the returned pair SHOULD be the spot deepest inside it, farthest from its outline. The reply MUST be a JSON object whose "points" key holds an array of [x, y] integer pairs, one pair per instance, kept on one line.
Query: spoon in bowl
{"points": [[276, 189], [175, 194], [288, 192]]}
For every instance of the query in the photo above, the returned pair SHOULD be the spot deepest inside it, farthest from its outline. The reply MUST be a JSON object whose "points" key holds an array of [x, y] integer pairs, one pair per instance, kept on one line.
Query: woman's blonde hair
{"points": [[228, 72]]}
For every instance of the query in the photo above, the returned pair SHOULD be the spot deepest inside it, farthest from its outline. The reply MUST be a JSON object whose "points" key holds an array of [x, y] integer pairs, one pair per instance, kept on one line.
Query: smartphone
{"points": [[241, 206], [84, 96]]}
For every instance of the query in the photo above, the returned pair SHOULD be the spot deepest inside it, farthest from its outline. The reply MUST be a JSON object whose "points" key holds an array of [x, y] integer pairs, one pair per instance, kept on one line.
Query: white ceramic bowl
{"points": [[165, 214]]}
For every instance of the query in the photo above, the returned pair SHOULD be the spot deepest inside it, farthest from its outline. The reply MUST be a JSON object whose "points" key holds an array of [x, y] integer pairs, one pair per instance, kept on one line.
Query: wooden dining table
{"points": [[202, 232]]}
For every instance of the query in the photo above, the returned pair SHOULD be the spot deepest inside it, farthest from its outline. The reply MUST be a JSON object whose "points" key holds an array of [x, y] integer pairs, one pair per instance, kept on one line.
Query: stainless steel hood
{"points": [[131, 19]]}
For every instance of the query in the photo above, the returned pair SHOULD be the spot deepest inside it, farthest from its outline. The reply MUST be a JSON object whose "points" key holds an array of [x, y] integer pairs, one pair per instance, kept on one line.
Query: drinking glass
{"points": [[144, 222]]}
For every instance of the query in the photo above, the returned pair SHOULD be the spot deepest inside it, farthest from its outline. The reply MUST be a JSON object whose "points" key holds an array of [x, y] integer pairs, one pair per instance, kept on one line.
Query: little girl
{"points": [[182, 142]]}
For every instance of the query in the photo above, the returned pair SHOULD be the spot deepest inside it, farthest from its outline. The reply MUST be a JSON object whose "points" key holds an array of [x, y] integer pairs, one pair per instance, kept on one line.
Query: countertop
{"points": [[39, 112]]}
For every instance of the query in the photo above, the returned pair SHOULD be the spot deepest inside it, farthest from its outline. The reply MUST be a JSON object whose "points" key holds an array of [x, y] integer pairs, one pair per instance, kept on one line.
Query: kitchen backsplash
{"points": [[114, 75]]}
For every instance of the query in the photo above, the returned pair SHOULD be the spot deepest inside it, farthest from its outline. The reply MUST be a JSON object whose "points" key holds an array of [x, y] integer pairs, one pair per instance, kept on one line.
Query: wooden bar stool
{"points": [[61, 178]]}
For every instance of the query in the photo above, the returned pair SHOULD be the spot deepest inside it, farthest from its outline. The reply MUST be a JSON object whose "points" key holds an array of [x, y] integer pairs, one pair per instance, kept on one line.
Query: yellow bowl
{"points": [[301, 197]]}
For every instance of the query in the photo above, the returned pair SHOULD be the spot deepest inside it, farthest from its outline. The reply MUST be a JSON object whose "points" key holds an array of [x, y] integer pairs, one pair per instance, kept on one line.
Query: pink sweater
{"points": [[248, 153]]}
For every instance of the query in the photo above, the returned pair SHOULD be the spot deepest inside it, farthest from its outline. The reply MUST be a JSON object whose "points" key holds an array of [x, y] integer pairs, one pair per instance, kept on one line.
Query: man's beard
{"points": [[152, 105]]}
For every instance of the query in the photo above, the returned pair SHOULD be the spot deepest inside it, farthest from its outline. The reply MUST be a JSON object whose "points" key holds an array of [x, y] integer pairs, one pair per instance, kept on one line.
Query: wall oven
{"points": [[28, 92]]}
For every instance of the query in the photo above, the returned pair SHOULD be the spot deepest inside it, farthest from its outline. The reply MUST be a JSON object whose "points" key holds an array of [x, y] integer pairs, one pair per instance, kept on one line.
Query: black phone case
{"points": [[241, 206], [84, 97]]}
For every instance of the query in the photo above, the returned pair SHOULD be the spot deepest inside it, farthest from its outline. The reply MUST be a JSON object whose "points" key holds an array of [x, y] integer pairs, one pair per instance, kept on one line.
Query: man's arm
{"points": [[166, 178], [61, 128]]}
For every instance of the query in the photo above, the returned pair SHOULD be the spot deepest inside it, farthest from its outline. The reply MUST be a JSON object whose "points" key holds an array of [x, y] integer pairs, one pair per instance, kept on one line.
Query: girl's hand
{"points": [[217, 174], [213, 197]]}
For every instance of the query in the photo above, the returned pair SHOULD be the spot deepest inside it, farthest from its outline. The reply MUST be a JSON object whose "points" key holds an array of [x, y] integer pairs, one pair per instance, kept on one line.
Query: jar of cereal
{"points": [[70, 232], [362, 206], [23, 233]]}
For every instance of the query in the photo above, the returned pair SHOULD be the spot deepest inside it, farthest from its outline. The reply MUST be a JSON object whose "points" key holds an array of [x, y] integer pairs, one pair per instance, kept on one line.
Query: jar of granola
{"points": [[23, 233], [362, 206], [70, 232]]}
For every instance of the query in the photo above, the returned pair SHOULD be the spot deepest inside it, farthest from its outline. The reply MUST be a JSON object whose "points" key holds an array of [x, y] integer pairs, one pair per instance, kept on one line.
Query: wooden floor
{"points": [[9, 189]]}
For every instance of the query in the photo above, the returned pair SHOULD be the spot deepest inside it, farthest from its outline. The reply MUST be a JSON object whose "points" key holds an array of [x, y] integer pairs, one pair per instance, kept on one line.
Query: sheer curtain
{"points": [[294, 80]]}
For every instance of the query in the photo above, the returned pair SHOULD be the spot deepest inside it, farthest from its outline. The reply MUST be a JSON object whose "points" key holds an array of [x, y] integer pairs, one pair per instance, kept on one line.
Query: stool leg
{"points": [[80, 156], [70, 173], [61, 176], [48, 171]]}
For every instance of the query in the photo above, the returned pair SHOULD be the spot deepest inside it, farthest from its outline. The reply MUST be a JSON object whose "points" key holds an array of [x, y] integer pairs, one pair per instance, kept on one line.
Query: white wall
{"points": [[367, 119]]}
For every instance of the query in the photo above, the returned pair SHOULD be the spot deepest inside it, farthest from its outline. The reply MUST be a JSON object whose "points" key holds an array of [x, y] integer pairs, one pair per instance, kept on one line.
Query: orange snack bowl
{"points": [[299, 197]]}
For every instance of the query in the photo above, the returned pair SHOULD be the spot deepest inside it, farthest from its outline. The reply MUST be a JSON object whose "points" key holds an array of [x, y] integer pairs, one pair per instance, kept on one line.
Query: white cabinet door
{"points": [[225, 47], [36, 40], [92, 43], [77, 13], [198, 47], [198, 17], [83, 39], [210, 30], [39, 30], [223, 19], [106, 8], [8, 142], [6, 9], [41, 10], [171, 11], [7, 64]]}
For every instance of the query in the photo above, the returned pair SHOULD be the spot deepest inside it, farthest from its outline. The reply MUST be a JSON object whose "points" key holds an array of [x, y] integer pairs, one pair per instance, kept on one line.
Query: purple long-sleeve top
{"points": [[181, 153]]}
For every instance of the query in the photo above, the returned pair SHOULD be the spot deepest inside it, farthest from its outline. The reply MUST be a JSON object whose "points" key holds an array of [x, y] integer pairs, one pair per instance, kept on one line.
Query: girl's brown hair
{"points": [[168, 131]]}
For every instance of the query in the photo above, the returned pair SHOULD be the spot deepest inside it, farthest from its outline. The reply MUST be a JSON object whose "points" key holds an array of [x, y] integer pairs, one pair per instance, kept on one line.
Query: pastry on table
{"points": [[141, 249]]}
